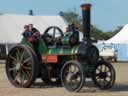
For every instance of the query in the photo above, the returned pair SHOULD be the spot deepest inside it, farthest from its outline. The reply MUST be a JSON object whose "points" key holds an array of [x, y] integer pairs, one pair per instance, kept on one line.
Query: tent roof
{"points": [[120, 37], [11, 26]]}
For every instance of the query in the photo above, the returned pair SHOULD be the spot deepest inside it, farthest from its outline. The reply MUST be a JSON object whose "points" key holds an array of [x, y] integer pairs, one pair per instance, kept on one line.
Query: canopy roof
{"points": [[12, 26]]}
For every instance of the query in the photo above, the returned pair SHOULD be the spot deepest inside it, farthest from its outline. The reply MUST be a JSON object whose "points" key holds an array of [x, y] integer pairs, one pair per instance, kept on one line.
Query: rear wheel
{"points": [[104, 75], [22, 66], [72, 76]]}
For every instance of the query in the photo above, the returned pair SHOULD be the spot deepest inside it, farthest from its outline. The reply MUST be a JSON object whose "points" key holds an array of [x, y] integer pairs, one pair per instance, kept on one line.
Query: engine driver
{"points": [[72, 30]]}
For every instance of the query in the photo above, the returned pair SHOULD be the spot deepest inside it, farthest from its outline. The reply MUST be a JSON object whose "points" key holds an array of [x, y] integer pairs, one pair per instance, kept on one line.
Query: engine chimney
{"points": [[86, 21]]}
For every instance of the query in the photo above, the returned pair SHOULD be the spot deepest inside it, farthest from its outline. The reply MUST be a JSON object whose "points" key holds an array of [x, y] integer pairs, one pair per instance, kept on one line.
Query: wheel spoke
{"points": [[22, 78], [27, 60], [13, 58], [73, 69], [67, 79], [109, 76], [99, 68], [70, 82], [105, 69], [76, 70], [97, 74], [108, 71], [25, 75], [70, 69], [54, 32], [15, 72], [18, 51], [108, 79], [28, 73], [16, 77], [102, 68], [77, 81], [27, 68], [100, 80], [97, 78], [12, 69], [104, 81], [18, 55], [22, 56]]}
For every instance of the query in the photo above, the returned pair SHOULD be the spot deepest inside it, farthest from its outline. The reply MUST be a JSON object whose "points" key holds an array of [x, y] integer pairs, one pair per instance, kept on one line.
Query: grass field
{"points": [[119, 89]]}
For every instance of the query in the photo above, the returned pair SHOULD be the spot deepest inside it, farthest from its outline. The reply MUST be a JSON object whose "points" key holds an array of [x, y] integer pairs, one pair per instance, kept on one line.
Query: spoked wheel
{"points": [[21, 66], [72, 76], [104, 75]]}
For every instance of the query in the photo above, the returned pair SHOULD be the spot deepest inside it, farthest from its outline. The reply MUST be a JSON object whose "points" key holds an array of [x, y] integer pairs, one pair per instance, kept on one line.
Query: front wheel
{"points": [[72, 76], [104, 75], [22, 66]]}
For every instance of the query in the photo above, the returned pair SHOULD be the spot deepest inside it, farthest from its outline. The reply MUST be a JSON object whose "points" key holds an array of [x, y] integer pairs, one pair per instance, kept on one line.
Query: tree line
{"points": [[73, 17]]}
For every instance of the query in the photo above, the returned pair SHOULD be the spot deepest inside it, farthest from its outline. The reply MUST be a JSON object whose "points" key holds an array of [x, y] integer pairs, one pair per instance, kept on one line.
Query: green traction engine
{"points": [[67, 61]]}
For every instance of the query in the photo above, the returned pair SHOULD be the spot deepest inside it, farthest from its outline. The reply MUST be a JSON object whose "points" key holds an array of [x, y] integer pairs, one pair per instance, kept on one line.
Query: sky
{"points": [[106, 14]]}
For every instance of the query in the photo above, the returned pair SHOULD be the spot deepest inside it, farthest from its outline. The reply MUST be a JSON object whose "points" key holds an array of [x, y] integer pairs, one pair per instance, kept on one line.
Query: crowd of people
{"points": [[30, 33]]}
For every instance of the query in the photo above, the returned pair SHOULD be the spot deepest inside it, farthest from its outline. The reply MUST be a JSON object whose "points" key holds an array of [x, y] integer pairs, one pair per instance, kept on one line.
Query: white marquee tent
{"points": [[11, 26], [120, 38], [119, 42]]}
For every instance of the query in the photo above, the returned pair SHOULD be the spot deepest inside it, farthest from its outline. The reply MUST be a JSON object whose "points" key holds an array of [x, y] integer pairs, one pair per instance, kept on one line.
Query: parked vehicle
{"points": [[109, 53]]}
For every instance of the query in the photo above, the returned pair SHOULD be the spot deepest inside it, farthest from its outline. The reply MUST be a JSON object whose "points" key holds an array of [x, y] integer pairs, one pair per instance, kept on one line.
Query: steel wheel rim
{"points": [[72, 77], [19, 66], [103, 76]]}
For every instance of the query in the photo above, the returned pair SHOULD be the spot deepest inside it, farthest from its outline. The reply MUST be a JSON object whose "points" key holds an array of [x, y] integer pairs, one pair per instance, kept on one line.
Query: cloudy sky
{"points": [[106, 14]]}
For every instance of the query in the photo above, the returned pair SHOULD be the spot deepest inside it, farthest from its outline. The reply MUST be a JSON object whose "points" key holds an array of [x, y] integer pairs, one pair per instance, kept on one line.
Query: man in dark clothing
{"points": [[36, 33], [74, 34], [37, 42], [31, 28], [27, 33]]}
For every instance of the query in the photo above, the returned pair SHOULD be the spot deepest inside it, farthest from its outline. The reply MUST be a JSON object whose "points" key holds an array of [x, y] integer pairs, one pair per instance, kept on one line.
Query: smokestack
{"points": [[86, 21]]}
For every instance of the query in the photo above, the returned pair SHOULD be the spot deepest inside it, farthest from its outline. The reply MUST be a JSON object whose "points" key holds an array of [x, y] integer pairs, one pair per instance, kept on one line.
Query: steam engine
{"points": [[67, 60]]}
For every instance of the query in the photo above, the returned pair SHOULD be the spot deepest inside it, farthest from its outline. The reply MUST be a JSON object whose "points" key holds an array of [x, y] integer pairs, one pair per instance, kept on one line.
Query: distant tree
{"points": [[69, 16], [73, 17], [113, 33], [98, 34], [118, 29], [1, 13]]}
